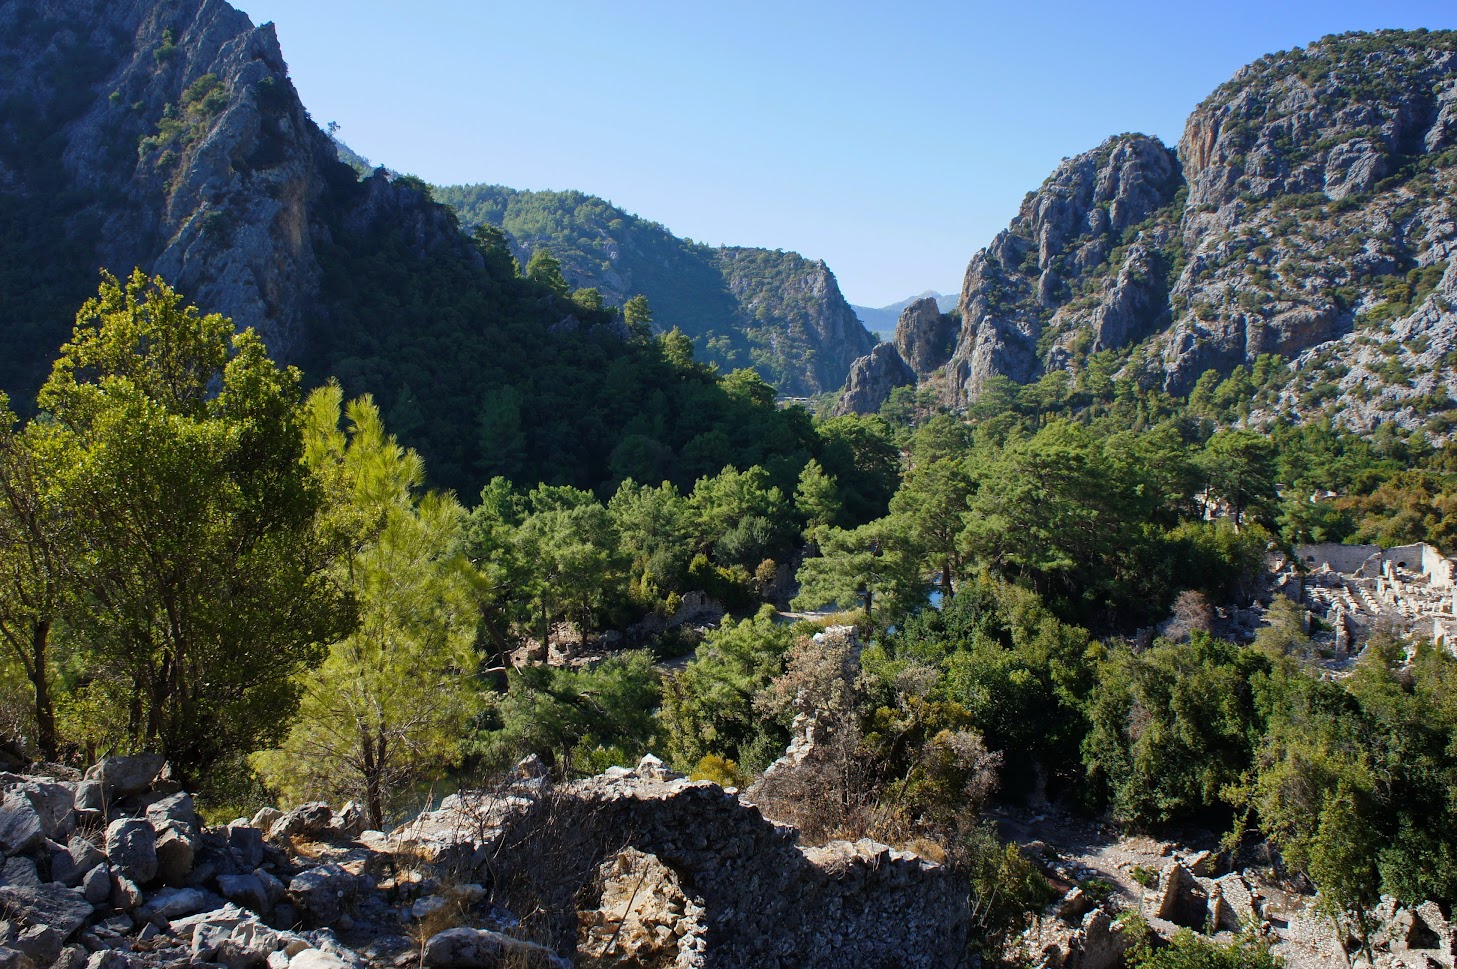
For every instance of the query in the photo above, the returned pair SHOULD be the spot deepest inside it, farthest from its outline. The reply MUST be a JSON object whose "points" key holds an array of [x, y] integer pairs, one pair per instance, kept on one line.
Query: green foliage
{"points": [[574, 719], [172, 447], [546, 270], [1188, 950], [708, 707], [876, 567], [390, 702], [1171, 729]]}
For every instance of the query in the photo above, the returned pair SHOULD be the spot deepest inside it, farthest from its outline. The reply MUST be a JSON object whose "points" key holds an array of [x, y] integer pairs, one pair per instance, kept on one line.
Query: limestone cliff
{"points": [[1305, 223], [169, 136]]}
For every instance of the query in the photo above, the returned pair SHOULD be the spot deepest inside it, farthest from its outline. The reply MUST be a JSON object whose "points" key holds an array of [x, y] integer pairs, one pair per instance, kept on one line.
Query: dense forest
{"points": [[201, 558]]}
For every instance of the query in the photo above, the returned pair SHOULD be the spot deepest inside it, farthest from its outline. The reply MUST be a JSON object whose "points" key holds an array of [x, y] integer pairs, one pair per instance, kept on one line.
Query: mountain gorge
{"points": [[772, 310], [1300, 239]]}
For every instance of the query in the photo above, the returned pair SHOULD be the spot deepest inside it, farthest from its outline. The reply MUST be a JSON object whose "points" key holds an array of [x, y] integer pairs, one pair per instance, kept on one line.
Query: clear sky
{"points": [[890, 139]]}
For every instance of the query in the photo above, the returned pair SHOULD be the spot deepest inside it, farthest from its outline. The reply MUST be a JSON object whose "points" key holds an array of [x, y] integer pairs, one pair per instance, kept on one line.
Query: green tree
{"points": [[495, 249], [817, 500], [933, 501], [178, 466], [391, 700], [546, 269], [33, 569], [878, 563], [638, 316], [1239, 467], [589, 297]]}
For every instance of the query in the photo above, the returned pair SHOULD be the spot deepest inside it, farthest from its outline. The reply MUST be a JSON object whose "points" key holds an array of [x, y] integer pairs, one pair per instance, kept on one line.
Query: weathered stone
{"points": [[305, 821], [131, 847], [90, 797], [175, 847], [84, 854], [323, 892], [14, 959], [317, 959], [265, 819], [174, 903], [246, 843], [108, 959], [1204, 864], [120, 776], [63, 909], [96, 885], [53, 805], [246, 890], [21, 829], [126, 895], [1231, 905], [41, 943], [349, 822], [484, 949], [21, 872], [173, 807]]}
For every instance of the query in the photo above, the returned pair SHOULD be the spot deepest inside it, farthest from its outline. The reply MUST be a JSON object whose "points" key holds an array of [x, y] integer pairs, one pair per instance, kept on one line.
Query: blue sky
{"points": [[892, 140]]}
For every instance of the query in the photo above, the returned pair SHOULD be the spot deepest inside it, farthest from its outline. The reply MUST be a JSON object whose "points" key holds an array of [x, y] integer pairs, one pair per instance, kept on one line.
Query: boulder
{"points": [[63, 867], [265, 819], [96, 885], [484, 949], [21, 828], [125, 894], [131, 847], [317, 959], [53, 805], [41, 943], [120, 776], [173, 807], [14, 959], [246, 890], [20, 871], [84, 854], [63, 909], [305, 821], [89, 797], [108, 959], [246, 844], [175, 847], [323, 892], [174, 903], [350, 822]]}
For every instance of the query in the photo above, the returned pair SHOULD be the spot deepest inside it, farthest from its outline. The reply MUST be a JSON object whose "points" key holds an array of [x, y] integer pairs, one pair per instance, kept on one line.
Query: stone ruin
{"points": [[115, 869], [1354, 589]]}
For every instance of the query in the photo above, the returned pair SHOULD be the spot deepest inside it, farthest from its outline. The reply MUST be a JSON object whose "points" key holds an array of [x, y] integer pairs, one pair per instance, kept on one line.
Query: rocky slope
{"points": [[1305, 218], [881, 320], [773, 310]]}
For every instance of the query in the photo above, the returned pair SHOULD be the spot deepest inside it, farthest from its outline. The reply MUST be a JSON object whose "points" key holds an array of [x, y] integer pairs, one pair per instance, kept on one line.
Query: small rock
{"points": [[41, 943], [108, 959], [53, 804], [246, 844], [484, 949], [57, 906], [84, 854], [246, 890], [89, 797], [317, 959], [265, 819], [323, 892], [174, 903], [304, 821], [125, 895], [173, 807], [13, 959]]}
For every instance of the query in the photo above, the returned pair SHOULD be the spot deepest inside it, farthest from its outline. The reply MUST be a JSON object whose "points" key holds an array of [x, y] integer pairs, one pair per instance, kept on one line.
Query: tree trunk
{"points": [[45, 714]]}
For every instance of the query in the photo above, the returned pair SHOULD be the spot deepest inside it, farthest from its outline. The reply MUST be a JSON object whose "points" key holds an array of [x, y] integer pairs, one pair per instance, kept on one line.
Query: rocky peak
{"points": [[1306, 216], [872, 378], [925, 337]]}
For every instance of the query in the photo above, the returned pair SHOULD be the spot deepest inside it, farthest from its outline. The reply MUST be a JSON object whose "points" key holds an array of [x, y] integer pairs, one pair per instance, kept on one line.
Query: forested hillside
{"points": [[775, 311]]}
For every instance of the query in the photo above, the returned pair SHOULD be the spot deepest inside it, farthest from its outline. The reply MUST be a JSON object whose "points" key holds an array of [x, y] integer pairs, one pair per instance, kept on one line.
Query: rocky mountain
{"points": [[881, 320], [773, 310], [1300, 238]]}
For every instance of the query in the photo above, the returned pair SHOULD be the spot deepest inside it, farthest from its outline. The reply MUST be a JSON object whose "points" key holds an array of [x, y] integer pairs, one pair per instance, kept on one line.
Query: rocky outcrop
{"points": [[1306, 217], [871, 380], [491, 878], [925, 337]]}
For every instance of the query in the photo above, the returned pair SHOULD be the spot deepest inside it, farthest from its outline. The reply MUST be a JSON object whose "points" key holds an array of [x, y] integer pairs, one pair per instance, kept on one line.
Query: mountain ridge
{"points": [[1302, 229]]}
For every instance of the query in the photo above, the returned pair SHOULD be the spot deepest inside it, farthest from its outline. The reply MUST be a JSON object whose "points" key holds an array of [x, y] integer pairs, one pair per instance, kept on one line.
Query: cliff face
{"points": [[776, 311], [1305, 218], [167, 136]]}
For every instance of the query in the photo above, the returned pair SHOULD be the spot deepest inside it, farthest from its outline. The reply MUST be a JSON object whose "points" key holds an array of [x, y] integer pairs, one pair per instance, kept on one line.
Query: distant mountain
{"points": [[772, 310], [1301, 242], [881, 320]]}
